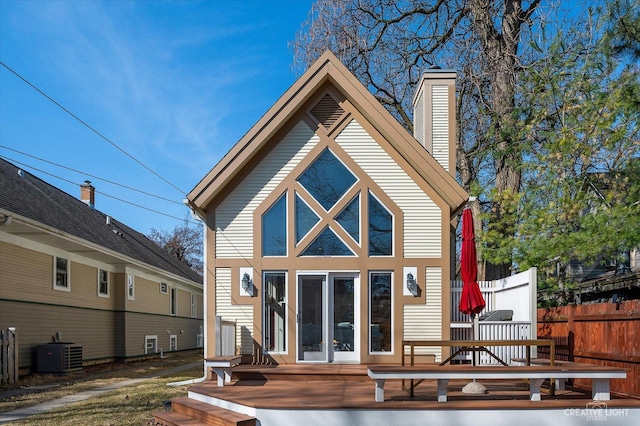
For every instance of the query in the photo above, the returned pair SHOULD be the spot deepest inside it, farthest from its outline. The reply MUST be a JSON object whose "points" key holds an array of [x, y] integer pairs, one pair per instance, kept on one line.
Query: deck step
{"points": [[208, 414], [171, 418]]}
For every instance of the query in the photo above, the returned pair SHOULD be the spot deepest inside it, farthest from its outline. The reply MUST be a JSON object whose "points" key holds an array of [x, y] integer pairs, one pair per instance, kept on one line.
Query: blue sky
{"points": [[173, 83]]}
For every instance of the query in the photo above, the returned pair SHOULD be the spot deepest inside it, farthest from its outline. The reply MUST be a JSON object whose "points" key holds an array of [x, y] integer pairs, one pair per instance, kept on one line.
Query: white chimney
{"points": [[88, 194], [434, 116]]}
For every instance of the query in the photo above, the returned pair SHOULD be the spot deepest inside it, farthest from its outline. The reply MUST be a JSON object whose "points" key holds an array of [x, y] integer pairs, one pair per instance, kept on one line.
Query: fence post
{"points": [[9, 370]]}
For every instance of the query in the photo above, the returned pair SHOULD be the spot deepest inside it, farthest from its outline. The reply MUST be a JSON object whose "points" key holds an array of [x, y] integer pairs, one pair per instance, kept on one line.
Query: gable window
{"points": [[380, 312], [327, 179], [334, 213], [103, 283], [61, 274], [274, 229], [380, 229], [131, 294], [173, 301]]}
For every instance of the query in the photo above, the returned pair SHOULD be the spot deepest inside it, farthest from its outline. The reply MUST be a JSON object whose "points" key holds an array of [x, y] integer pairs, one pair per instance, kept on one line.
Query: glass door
{"points": [[344, 307], [328, 313], [312, 319]]}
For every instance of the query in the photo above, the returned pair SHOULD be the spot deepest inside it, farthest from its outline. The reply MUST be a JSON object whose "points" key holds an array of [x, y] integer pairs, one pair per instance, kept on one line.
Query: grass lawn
{"points": [[131, 405]]}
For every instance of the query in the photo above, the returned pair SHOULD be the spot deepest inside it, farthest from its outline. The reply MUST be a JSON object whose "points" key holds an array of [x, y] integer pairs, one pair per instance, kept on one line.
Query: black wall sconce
{"points": [[412, 286]]}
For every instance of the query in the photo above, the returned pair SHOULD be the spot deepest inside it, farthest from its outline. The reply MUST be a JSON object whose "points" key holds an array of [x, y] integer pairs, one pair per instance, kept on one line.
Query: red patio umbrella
{"points": [[471, 300]]}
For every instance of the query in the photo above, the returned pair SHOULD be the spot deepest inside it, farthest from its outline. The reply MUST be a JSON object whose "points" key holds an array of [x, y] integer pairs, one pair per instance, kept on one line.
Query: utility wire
{"points": [[99, 192], [87, 174], [90, 127]]}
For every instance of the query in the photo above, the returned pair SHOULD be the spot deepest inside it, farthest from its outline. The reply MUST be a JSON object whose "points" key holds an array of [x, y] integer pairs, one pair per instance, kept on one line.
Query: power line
{"points": [[90, 127], [87, 174], [99, 192]]}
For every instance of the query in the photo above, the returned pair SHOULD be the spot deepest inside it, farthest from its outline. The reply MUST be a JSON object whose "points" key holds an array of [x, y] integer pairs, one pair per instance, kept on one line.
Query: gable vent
{"points": [[327, 111]]}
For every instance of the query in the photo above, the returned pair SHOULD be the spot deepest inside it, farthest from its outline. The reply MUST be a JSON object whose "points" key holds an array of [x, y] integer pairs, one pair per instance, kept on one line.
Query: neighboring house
{"points": [[70, 273], [329, 228]]}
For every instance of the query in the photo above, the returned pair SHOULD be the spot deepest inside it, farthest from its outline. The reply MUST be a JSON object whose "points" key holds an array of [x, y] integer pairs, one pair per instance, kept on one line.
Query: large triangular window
{"points": [[325, 221], [327, 179]]}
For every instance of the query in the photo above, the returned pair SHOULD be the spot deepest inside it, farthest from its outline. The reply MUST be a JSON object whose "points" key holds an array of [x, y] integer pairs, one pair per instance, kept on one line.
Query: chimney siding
{"points": [[434, 116]]}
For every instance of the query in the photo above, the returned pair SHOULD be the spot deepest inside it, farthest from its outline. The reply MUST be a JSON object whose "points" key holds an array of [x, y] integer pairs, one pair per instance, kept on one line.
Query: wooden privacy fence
{"points": [[598, 333], [8, 356]]}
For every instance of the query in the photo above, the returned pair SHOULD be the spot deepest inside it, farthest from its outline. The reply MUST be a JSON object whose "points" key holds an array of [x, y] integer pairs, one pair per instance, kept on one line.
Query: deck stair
{"points": [[188, 412]]}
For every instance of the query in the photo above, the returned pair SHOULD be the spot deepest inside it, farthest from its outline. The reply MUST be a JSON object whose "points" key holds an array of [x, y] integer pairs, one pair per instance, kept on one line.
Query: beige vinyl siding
{"points": [[84, 288], [234, 216], [424, 322], [242, 314], [36, 324], [26, 274], [140, 325], [440, 136], [422, 217], [148, 297], [184, 303]]}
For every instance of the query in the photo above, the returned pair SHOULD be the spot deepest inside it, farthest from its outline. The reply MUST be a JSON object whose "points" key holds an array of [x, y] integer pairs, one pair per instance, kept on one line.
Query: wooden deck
{"points": [[326, 392]]}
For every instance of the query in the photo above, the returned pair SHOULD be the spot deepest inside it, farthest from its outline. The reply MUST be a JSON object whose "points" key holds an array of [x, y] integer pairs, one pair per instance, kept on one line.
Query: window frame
{"points": [[370, 310], [194, 305], [131, 287], [101, 293], [147, 339], [285, 332], [66, 274], [173, 301]]}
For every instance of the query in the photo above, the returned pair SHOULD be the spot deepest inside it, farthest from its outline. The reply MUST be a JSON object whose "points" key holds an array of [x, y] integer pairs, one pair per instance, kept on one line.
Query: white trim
{"points": [[173, 337], [108, 293], [67, 274], [248, 271], [147, 338], [405, 271], [131, 287], [194, 305], [173, 301]]}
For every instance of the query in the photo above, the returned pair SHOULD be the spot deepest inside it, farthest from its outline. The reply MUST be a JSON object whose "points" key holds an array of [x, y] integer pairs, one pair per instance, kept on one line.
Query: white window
{"points": [[163, 288], [173, 301], [61, 274], [173, 342], [194, 306], [131, 291], [103, 283], [150, 344]]}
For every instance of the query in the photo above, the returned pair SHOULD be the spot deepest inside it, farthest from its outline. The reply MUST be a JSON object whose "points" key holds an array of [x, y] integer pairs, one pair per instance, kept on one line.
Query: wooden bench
{"points": [[560, 384], [536, 375], [221, 366]]}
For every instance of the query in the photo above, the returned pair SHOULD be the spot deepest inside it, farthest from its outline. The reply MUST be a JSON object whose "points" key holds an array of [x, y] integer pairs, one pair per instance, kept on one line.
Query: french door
{"points": [[328, 313]]}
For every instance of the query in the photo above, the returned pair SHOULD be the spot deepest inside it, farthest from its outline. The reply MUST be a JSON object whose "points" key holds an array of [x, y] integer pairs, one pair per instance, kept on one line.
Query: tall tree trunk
{"points": [[500, 47]]}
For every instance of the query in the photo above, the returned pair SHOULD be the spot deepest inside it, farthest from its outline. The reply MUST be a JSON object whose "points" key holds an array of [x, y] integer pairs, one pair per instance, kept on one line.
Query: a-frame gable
{"points": [[327, 69]]}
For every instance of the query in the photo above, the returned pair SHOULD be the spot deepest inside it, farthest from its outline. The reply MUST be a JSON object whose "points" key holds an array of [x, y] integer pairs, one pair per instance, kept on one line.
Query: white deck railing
{"points": [[516, 293]]}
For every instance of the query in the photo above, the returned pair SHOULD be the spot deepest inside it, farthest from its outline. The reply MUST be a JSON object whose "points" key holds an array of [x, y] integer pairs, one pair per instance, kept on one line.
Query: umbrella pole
{"points": [[474, 386]]}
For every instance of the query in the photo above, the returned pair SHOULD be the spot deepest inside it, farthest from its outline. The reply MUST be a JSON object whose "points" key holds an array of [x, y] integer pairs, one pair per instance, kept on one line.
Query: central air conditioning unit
{"points": [[59, 358]]}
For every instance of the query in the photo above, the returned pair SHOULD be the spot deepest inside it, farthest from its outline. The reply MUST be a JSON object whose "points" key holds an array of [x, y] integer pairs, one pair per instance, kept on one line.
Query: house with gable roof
{"points": [[330, 228], [74, 275]]}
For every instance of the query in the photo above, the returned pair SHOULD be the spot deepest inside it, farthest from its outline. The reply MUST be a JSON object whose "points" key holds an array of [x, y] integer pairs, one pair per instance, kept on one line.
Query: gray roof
{"points": [[27, 195]]}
